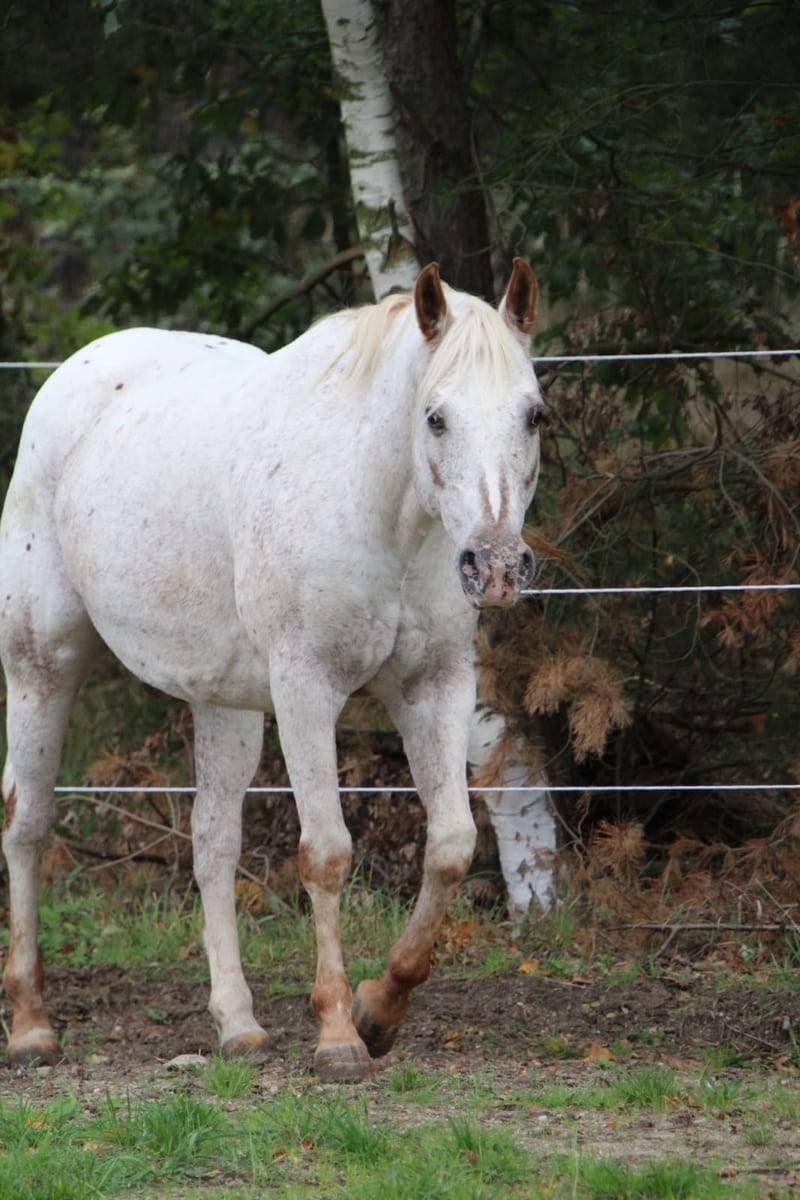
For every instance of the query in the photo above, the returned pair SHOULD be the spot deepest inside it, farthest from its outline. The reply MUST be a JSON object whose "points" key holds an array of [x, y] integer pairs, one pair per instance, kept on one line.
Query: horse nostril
{"points": [[527, 565], [468, 564]]}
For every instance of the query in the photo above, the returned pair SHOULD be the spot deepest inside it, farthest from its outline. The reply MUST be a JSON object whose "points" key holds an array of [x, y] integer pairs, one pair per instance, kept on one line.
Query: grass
{"points": [[230, 1080], [80, 927], [84, 928], [645, 1088], [594, 1180], [317, 1143]]}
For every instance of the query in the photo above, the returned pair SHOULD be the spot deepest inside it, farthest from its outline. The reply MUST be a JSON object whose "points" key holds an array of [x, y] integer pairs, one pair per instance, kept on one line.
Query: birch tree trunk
{"points": [[520, 809], [522, 821], [368, 119]]}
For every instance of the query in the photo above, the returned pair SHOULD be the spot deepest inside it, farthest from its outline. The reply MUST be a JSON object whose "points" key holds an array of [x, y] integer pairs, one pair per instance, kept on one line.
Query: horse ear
{"points": [[520, 302], [429, 302]]}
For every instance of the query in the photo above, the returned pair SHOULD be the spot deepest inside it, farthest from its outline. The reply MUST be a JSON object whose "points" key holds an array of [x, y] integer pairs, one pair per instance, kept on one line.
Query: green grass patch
{"points": [[412, 1084], [592, 1179], [61, 1152], [414, 1135], [638, 1089], [177, 1136], [230, 1080], [84, 928], [81, 926]]}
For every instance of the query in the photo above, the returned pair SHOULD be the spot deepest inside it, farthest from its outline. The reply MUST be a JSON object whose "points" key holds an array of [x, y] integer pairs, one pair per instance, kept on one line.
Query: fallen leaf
{"points": [[599, 1054], [529, 967], [251, 896]]}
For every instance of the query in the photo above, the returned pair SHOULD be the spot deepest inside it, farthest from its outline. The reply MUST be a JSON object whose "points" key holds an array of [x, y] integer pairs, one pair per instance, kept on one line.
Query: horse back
{"points": [[79, 391]]}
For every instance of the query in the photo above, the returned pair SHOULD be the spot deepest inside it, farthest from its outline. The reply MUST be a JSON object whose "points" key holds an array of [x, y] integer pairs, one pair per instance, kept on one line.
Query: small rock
{"points": [[186, 1062]]}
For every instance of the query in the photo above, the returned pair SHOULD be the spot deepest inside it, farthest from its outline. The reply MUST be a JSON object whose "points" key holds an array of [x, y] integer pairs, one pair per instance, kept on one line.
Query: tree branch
{"points": [[301, 288]]}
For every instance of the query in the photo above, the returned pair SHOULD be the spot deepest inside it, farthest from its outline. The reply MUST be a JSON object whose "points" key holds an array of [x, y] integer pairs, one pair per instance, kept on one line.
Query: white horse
{"points": [[254, 534]]}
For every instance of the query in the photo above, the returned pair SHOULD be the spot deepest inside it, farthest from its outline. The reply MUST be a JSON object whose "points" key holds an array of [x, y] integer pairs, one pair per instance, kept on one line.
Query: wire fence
{"points": [[646, 590], [555, 359], [603, 789], [643, 590]]}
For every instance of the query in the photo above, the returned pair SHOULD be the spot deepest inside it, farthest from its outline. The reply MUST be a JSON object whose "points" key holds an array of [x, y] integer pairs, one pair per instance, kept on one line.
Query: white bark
{"points": [[368, 118], [523, 821]]}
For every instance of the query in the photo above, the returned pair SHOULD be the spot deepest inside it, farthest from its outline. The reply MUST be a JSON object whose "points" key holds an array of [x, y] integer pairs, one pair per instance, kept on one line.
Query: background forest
{"points": [[184, 165]]}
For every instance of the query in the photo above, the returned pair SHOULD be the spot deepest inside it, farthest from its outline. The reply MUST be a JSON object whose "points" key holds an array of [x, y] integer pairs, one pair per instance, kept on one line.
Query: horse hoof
{"points": [[39, 1048], [376, 1036], [251, 1047], [347, 1063]]}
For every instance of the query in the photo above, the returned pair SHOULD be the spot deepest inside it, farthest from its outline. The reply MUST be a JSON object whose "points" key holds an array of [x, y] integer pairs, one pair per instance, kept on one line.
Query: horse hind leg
{"points": [[227, 747], [39, 701]]}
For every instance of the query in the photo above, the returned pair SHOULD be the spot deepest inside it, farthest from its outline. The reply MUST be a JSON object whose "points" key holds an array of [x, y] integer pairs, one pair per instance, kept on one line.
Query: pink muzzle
{"points": [[493, 574]]}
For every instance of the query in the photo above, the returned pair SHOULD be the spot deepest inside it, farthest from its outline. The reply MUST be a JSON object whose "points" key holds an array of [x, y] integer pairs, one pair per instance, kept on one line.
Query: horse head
{"points": [[477, 429]]}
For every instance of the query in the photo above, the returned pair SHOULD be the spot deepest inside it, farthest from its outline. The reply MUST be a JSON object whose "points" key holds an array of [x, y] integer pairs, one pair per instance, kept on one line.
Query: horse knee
{"points": [[450, 854], [325, 863], [25, 823], [214, 859]]}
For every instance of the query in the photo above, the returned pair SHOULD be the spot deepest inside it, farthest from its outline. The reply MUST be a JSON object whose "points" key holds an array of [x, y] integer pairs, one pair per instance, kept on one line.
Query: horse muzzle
{"points": [[493, 576]]}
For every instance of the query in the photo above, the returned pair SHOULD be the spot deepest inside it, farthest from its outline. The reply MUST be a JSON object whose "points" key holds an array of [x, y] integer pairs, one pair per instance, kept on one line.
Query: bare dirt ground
{"points": [[518, 1033]]}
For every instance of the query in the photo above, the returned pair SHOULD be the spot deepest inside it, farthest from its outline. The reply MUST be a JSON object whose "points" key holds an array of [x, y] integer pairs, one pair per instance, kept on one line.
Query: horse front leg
{"points": [[307, 715], [434, 731]]}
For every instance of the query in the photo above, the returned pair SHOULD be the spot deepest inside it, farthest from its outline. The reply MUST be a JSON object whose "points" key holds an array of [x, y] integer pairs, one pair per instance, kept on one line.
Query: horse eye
{"points": [[535, 416], [436, 423]]}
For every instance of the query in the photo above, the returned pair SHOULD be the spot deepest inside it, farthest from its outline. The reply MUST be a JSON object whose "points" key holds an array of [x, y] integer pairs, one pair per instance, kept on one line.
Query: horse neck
{"points": [[375, 414], [388, 399]]}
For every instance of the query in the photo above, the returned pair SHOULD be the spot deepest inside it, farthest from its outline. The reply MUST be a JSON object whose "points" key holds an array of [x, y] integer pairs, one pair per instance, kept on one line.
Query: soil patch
{"points": [[134, 1019]]}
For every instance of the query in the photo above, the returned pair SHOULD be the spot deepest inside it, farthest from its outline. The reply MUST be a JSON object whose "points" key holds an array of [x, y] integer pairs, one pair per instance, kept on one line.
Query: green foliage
{"points": [[201, 179], [149, 177], [655, 157], [648, 153]]}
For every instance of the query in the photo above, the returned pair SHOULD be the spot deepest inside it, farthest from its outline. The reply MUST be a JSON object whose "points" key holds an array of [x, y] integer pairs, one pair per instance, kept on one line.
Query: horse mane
{"points": [[372, 329], [475, 342]]}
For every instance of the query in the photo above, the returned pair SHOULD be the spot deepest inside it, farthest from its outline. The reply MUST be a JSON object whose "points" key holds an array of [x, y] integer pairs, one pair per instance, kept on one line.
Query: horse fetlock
{"points": [[231, 1006], [36, 1046], [331, 1001], [378, 1010], [251, 1046]]}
